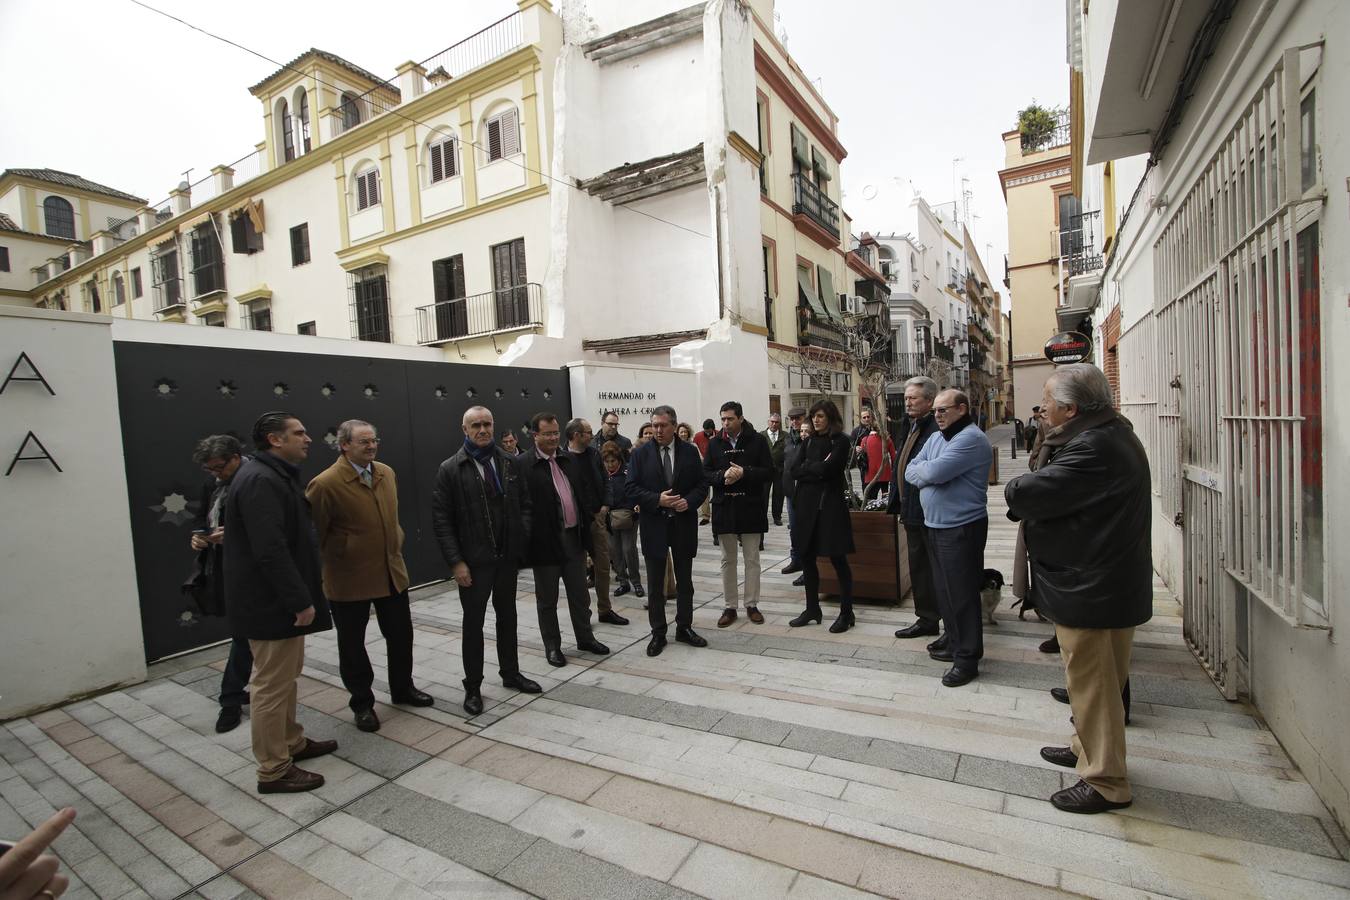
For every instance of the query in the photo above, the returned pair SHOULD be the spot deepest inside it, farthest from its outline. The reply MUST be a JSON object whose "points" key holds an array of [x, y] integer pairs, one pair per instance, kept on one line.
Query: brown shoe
{"points": [[313, 749], [755, 615], [728, 616], [295, 780]]}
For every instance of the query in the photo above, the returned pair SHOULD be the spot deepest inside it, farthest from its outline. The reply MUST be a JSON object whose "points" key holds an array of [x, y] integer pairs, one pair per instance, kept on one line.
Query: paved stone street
{"points": [[776, 763]]}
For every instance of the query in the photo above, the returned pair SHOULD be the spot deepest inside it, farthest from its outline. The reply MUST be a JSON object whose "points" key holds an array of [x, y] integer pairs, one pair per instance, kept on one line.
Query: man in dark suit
{"points": [[665, 479], [777, 439], [920, 392]]}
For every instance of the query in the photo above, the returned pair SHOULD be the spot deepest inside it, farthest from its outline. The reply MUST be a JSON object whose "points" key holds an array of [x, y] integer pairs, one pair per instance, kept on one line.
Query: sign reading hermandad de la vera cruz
{"points": [[1068, 347]]}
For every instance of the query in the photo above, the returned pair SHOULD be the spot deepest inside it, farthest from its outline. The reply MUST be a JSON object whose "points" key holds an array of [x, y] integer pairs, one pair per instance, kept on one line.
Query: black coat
{"points": [[206, 585], [459, 512], [790, 454], [272, 567], [819, 506], [739, 508], [1086, 516], [591, 471], [546, 545], [904, 502], [664, 529]]}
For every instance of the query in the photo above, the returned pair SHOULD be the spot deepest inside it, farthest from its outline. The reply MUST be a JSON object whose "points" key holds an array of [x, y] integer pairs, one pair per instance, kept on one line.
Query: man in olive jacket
{"points": [[480, 512], [274, 595], [355, 505], [1086, 516]]}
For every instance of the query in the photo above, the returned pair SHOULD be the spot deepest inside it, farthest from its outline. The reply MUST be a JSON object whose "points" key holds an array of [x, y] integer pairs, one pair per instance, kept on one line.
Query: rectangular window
{"points": [[1310, 408], [136, 288], [214, 320], [119, 289], [452, 313], [167, 282], [95, 301], [444, 159], [300, 244], [1307, 117], [208, 269], [258, 316], [244, 235], [367, 190], [503, 134], [306, 328], [370, 304], [4, 259], [768, 290], [511, 301]]}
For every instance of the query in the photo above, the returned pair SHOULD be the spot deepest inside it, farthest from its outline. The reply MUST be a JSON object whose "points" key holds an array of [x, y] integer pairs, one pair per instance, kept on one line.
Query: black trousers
{"points": [[572, 573], [773, 497], [497, 581], [238, 670], [921, 575], [350, 618], [957, 559], [656, 592], [807, 557]]}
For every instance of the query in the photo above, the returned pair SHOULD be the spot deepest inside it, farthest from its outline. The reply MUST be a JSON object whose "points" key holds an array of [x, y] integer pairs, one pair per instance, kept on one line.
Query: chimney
{"points": [[103, 242], [438, 76], [180, 198], [145, 219], [411, 81], [223, 176]]}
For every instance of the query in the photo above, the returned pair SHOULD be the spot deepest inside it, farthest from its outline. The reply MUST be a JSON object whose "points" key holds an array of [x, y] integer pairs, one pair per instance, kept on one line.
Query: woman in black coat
{"points": [[821, 525]]}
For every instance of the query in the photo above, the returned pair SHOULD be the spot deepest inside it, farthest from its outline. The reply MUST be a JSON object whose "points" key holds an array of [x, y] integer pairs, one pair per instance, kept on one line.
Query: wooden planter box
{"points": [[881, 563]]}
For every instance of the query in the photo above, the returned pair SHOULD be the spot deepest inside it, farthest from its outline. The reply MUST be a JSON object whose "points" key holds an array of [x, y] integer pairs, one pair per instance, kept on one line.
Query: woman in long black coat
{"points": [[821, 525]]}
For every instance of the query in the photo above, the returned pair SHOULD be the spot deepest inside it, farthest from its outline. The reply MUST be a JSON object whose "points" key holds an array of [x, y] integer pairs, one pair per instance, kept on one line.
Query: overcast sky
{"points": [[123, 96]]}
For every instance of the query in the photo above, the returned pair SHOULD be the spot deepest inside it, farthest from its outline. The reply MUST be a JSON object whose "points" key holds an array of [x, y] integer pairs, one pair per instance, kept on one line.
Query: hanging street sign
{"points": [[1068, 347]]}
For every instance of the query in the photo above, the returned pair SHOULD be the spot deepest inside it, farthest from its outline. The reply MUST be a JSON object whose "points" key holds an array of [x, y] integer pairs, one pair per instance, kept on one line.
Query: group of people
{"points": [[302, 558]]}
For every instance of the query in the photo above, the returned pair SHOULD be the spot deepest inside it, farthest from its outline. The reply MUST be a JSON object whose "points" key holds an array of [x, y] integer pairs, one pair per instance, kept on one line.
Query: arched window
{"points": [[442, 157], [287, 135], [501, 133], [304, 121], [118, 289], [351, 112], [60, 217], [367, 188]]}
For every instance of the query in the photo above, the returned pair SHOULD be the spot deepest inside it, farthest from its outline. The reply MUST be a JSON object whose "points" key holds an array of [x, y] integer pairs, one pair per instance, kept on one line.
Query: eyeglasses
{"points": [[943, 410], [367, 442], [546, 434]]}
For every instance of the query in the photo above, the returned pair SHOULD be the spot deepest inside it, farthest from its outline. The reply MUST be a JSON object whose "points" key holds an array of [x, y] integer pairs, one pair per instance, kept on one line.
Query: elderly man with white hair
{"points": [[1086, 514]]}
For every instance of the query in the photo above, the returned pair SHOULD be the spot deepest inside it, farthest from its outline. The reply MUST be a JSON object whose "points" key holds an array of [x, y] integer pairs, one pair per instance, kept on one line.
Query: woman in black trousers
{"points": [[821, 525]]}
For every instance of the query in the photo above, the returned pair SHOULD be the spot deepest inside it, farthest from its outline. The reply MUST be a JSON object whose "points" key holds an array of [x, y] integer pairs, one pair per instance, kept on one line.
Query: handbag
{"points": [[621, 519]]}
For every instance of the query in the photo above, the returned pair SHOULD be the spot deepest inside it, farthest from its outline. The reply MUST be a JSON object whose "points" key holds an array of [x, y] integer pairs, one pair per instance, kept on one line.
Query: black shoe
{"points": [[942, 654], [639, 592], [294, 780], [593, 646], [522, 684], [473, 700], [656, 645], [1050, 646], [778, 522], [1060, 756], [799, 581], [610, 617], [956, 677], [791, 568], [842, 623], [622, 589], [1060, 694], [414, 697], [808, 615], [555, 658], [228, 720], [366, 720], [689, 636], [1083, 798], [313, 749], [921, 628], [940, 644]]}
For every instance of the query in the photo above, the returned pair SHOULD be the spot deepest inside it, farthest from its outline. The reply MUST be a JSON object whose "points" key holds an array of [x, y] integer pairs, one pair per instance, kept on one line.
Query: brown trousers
{"points": [[276, 734], [600, 563], [1096, 665]]}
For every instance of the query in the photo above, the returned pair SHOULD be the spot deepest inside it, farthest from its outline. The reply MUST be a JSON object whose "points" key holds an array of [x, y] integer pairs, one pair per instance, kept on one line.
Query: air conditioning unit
{"points": [[852, 305]]}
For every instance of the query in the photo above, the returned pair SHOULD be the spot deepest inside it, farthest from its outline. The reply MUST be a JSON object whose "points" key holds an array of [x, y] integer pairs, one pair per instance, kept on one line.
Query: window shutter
{"points": [[440, 278], [238, 235], [510, 133], [494, 130], [437, 162], [451, 157], [457, 277], [362, 199], [518, 261], [373, 191]]}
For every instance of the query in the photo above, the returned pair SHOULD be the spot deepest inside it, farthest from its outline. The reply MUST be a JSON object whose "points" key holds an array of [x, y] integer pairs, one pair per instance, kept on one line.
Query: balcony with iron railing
{"points": [[909, 364], [1080, 243], [943, 352], [480, 315], [826, 335], [810, 201]]}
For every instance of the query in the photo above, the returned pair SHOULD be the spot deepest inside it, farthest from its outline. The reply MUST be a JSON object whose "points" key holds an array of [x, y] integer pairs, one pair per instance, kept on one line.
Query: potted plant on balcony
{"points": [[1037, 125]]}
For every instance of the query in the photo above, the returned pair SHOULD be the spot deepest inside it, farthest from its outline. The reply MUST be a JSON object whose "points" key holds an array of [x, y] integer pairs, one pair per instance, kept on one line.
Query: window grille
{"points": [[300, 244], [351, 112], [258, 316], [444, 159], [369, 297], [244, 237], [306, 328], [208, 269], [503, 135], [165, 277], [60, 217], [367, 189]]}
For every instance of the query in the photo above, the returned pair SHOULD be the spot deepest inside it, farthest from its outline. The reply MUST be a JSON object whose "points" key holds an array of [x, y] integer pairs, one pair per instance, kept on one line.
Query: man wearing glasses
{"points": [[355, 507], [219, 456], [952, 475]]}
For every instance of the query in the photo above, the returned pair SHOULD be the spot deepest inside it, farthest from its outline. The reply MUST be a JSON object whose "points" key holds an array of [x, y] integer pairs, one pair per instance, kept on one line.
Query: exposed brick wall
{"points": [[1110, 338]]}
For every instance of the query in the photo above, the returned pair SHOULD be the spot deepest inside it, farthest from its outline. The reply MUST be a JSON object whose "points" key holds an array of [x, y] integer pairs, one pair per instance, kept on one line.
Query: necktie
{"points": [[366, 478], [668, 466], [564, 490]]}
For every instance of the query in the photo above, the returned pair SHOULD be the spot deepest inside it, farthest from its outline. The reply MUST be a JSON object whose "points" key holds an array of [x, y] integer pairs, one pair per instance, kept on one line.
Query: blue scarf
{"points": [[484, 456]]}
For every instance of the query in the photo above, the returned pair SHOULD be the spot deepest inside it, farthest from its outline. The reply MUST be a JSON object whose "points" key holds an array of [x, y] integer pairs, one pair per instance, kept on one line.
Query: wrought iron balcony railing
{"points": [[821, 334], [812, 202], [908, 365], [1080, 243], [508, 309]]}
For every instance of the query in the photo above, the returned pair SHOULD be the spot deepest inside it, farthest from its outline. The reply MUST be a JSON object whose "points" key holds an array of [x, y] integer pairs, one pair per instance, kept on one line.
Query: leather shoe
{"points": [[610, 617], [955, 677], [1060, 756], [1060, 694], [921, 628], [755, 615], [593, 646], [689, 636], [656, 645], [522, 684], [473, 700], [414, 697], [791, 569], [639, 592], [366, 720], [294, 780], [940, 644], [1050, 646], [728, 616], [1083, 798], [778, 522], [799, 581], [555, 658], [622, 589], [228, 720], [942, 654], [313, 749]]}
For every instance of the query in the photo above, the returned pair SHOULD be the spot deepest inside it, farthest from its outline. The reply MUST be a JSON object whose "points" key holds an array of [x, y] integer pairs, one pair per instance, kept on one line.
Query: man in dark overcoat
{"points": [[739, 467]]}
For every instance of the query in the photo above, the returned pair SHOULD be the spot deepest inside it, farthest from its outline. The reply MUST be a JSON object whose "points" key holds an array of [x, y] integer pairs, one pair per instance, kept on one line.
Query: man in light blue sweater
{"points": [[952, 475]]}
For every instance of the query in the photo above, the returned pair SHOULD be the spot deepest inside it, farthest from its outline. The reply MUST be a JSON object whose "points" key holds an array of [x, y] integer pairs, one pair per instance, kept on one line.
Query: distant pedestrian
{"points": [[1032, 428], [822, 526], [864, 428], [621, 524], [799, 430], [879, 451], [777, 440]]}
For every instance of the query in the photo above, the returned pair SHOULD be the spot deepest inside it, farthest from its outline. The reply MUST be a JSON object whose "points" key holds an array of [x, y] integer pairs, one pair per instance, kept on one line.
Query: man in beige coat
{"points": [[355, 507]]}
